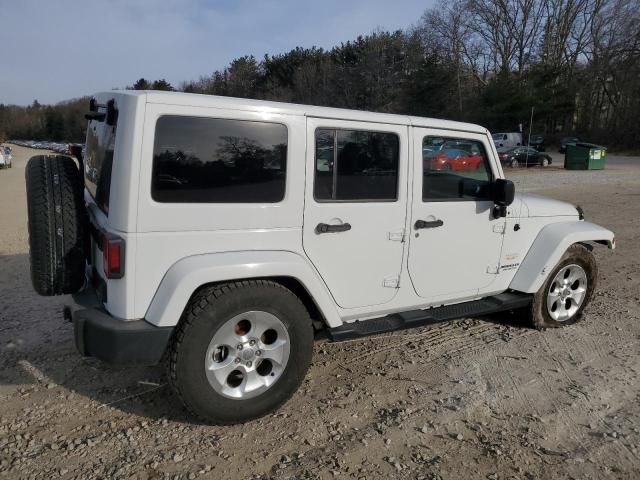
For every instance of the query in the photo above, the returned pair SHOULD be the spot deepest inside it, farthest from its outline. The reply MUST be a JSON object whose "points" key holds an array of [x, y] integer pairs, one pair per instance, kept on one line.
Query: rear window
{"points": [[98, 161], [215, 160]]}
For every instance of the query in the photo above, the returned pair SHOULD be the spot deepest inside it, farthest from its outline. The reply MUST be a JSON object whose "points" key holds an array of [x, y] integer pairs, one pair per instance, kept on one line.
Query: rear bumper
{"points": [[98, 334]]}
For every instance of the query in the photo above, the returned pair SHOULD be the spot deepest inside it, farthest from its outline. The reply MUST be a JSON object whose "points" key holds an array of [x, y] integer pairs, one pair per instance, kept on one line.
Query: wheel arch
{"points": [[289, 269], [549, 246]]}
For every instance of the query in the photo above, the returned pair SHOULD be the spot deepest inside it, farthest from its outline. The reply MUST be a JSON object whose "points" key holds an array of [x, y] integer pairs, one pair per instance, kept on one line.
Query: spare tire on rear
{"points": [[57, 224]]}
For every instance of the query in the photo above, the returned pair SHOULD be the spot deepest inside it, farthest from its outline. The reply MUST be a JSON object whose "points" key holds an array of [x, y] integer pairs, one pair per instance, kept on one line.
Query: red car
{"points": [[455, 159]]}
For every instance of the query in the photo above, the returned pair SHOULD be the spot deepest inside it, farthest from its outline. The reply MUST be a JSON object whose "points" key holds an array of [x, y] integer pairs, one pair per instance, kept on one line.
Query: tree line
{"points": [[61, 122], [574, 63]]}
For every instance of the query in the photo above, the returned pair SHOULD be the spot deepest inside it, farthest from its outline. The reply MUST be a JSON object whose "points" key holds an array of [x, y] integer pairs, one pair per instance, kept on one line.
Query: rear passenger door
{"points": [[355, 208], [455, 241]]}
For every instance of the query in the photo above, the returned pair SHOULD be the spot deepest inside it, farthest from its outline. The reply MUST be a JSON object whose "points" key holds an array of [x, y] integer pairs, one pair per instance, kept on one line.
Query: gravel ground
{"points": [[475, 398]]}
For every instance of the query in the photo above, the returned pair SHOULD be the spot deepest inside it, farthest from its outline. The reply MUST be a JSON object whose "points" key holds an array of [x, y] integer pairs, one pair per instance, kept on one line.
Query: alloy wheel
{"points": [[567, 292], [247, 355]]}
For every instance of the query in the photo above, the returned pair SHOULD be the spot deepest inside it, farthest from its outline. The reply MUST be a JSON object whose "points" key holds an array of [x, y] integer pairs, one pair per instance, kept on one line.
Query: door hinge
{"points": [[499, 228], [493, 269], [397, 236], [391, 282]]}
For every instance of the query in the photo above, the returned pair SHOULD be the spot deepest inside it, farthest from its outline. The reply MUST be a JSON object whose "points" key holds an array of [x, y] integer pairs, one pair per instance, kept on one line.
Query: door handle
{"points": [[424, 224], [326, 228]]}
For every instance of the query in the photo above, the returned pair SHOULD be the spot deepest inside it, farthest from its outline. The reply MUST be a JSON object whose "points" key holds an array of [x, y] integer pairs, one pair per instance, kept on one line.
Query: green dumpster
{"points": [[584, 156]]}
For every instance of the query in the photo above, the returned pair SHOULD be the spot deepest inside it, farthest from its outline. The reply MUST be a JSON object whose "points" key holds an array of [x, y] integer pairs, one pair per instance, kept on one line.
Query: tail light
{"points": [[112, 255]]}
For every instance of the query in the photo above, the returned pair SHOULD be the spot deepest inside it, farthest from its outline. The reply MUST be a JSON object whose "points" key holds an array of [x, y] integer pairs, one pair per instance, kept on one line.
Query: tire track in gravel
{"points": [[447, 339], [584, 399]]}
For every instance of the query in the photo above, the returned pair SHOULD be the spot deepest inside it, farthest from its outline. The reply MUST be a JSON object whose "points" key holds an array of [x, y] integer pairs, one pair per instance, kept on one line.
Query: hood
{"points": [[539, 206]]}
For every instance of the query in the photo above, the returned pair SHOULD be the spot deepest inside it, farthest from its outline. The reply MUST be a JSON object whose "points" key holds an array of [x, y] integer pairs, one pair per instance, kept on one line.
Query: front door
{"points": [[355, 208], [455, 241]]}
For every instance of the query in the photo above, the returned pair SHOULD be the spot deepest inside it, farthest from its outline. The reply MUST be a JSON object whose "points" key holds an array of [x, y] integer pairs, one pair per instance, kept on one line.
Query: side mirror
{"points": [[504, 192]]}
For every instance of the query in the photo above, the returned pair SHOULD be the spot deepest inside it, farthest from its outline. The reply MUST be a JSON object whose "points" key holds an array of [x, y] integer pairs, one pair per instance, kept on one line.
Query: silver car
{"points": [[5, 157]]}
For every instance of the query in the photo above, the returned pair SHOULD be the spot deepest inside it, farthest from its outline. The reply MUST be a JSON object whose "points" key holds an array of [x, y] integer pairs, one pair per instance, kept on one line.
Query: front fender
{"points": [[190, 273], [549, 246]]}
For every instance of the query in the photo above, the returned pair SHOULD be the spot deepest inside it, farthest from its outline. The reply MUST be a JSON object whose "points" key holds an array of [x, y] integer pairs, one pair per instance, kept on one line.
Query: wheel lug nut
{"points": [[258, 353], [252, 343], [239, 347], [249, 364], [237, 360]]}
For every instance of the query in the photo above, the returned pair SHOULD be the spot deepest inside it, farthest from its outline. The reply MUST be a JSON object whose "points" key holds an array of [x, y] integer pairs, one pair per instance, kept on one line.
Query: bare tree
{"points": [[613, 53], [446, 29], [492, 22], [567, 24]]}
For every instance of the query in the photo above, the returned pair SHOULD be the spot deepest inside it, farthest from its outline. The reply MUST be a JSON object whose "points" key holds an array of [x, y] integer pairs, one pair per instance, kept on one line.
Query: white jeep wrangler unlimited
{"points": [[218, 233]]}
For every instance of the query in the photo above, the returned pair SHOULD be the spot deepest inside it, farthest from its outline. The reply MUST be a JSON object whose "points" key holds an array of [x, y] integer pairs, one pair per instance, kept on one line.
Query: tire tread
{"points": [[57, 224]]}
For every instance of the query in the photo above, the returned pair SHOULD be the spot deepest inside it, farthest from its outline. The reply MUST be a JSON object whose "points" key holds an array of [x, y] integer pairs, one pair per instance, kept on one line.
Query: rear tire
{"points": [[219, 362], [567, 290], [57, 225]]}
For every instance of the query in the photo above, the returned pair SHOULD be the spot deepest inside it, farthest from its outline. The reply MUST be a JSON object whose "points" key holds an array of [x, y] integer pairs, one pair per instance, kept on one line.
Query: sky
{"points": [[54, 50]]}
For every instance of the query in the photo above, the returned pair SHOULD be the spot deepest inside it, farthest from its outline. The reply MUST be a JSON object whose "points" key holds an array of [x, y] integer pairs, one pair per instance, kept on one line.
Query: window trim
{"points": [[234, 119], [335, 170], [487, 161]]}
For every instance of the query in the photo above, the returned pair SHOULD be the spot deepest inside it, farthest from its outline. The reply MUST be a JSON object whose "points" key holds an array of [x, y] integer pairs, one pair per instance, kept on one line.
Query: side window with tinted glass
{"points": [[215, 160], [356, 165], [454, 169]]}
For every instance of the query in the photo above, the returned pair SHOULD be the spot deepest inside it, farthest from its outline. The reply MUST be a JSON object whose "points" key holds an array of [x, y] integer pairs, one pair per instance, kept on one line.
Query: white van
{"points": [[219, 233], [513, 139]]}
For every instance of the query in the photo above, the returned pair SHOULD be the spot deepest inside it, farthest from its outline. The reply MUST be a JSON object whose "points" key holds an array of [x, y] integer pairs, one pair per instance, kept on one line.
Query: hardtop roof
{"points": [[232, 103]]}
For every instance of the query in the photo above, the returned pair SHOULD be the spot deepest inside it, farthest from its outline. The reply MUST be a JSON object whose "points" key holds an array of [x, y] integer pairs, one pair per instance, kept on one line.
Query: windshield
{"points": [[98, 161]]}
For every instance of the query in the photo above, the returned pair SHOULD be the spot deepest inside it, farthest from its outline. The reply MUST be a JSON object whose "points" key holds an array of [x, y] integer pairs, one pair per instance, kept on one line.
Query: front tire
{"points": [[567, 291], [240, 351]]}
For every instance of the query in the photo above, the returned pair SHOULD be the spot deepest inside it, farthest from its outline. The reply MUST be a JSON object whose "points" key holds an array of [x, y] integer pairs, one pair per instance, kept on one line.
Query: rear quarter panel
{"points": [[170, 232]]}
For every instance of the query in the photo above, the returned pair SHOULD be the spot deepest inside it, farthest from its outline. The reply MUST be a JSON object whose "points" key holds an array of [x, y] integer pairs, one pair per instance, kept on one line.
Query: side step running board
{"points": [[418, 318]]}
